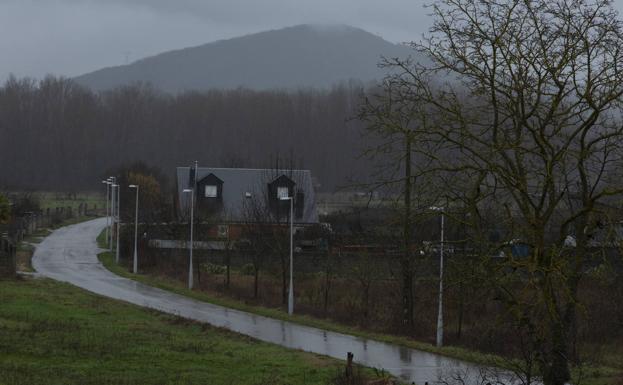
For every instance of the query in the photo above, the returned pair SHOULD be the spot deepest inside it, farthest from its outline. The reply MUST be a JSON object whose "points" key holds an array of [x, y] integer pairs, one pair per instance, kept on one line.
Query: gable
{"points": [[283, 180], [210, 179]]}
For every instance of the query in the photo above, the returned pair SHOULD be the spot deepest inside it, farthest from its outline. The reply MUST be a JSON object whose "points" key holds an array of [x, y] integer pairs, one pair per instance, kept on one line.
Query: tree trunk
{"points": [[406, 263], [228, 266], [459, 326], [256, 282], [366, 301], [284, 280], [556, 371], [198, 271], [327, 284]]}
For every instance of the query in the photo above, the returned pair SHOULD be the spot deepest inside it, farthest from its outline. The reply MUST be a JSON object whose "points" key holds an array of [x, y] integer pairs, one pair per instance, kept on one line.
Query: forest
{"points": [[57, 135]]}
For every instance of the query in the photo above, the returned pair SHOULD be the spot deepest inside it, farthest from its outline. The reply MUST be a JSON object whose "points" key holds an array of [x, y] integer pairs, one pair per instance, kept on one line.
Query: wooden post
{"points": [[349, 366]]}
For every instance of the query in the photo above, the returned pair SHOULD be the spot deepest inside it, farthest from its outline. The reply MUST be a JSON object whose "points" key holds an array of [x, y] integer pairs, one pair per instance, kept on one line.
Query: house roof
{"points": [[237, 182]]}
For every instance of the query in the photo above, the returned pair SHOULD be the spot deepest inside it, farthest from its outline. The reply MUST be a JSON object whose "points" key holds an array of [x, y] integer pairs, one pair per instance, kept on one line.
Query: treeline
{"points": [[55, 134]]}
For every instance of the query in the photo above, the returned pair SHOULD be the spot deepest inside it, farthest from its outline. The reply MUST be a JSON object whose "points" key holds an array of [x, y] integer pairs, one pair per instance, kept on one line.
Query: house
{"points": [[235, 196]]}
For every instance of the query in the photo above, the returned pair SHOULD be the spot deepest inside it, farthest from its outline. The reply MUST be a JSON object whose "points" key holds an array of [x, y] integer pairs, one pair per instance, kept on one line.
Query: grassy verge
{"points": [[24, 257], [597, 374], [177, 287], [72, 221], [55, 333]]}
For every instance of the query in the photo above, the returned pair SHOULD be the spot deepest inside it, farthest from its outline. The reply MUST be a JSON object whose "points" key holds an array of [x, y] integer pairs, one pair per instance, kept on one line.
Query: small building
{"points": [[230, 196]]}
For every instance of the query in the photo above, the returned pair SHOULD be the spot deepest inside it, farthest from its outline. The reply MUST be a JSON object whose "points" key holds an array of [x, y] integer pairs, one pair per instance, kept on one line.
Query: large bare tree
{"points": [[522, 104]]}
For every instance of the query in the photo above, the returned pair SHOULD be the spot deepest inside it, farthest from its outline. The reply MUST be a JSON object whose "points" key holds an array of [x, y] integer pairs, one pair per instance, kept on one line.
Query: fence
{"points": [[8, 259]]}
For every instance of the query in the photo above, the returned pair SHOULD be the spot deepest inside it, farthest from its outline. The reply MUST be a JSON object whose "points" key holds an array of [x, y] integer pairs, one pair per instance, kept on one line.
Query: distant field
{"points": [[54, 333], [59, 199]]}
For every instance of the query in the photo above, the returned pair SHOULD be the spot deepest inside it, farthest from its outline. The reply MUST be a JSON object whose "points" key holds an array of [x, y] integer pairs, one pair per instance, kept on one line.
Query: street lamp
{"points": [[440, 310], [113, 186], [190, 264], [135, 228], [291, 291], [118, 221], [107, 183]]}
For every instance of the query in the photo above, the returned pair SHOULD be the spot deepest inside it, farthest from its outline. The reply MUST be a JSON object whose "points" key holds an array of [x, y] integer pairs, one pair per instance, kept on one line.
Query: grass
{"points": [[605, 373], [72, 221], [54, 333], [177, 287], [24, 258], [58, 199]]}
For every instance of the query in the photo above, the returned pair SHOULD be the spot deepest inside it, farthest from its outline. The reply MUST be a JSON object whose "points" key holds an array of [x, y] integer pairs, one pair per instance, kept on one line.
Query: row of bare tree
{"points": [[55, 134]]}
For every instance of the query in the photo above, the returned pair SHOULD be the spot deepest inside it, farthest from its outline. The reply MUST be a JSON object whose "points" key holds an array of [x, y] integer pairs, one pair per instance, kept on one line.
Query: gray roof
{"points": [[237, 182]]}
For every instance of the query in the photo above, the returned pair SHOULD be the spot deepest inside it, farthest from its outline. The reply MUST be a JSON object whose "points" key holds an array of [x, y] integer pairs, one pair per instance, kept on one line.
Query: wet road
{"points": [[70, 255]]}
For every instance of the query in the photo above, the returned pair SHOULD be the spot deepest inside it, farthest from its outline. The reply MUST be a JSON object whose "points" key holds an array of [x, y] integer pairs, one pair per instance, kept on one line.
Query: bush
{"points": [[5, 209], [23, 203], [247, 269], [212, 268]]}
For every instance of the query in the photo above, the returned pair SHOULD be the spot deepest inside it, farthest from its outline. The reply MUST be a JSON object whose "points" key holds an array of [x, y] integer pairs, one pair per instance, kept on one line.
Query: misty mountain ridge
{"points": [[302, 56]]}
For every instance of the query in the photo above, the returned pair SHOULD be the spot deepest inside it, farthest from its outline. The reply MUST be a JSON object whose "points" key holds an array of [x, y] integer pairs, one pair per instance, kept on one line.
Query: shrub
{"points": [[213, 268], [247, 269]]}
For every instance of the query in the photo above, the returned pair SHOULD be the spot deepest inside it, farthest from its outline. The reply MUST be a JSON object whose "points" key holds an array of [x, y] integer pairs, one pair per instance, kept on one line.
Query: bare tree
{"points": [[254, 232], [522, 100], [393, 121]]}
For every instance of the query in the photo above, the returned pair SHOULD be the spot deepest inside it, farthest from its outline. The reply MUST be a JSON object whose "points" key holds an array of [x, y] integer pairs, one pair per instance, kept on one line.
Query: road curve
{"points": [[69, 254]]}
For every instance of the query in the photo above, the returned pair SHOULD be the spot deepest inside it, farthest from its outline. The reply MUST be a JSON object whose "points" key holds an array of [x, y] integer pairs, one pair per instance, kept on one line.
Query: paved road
{"points": [[70, 254]]}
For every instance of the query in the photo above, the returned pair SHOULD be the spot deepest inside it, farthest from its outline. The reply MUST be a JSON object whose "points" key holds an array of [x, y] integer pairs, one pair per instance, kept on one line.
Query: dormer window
{"points": [[211, 191], [209, 195], [282, 192], [280, 188]]}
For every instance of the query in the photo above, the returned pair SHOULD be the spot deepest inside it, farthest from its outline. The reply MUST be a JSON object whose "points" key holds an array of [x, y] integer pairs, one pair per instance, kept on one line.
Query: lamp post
{"points": [[113, 185], [190, 263], [118, 222], [291, 291], [135, 265], [107, 183], [440, 310]]}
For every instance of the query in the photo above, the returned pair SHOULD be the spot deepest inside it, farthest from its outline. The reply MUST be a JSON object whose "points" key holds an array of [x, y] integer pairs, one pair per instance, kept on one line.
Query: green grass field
{"points": [[57, 199], [55, 333]]}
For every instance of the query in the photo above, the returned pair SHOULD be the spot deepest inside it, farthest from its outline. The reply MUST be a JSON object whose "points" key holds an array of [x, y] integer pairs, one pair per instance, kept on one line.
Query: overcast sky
{"points": [[71, 37]]}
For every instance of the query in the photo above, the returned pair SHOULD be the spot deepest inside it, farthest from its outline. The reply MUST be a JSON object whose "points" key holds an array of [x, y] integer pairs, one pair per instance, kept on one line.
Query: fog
{"points": [[72, 37]]}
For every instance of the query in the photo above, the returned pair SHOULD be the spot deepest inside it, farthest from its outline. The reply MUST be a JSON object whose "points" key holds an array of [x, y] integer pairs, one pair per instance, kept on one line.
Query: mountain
{"points": [[299, 56]]}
